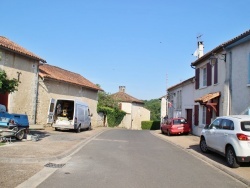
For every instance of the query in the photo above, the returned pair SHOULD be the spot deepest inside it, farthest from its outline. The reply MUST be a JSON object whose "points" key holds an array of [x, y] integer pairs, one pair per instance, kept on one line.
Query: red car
{"points": [[175, 126]]}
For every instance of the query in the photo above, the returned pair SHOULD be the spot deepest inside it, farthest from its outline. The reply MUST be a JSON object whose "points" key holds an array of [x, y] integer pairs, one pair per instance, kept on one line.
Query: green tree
{"points": [[110, 108], [154, 106], [7, 85]]}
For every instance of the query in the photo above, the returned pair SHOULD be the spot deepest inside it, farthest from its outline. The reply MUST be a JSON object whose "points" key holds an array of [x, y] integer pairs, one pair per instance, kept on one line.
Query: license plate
{"points": [[180, 127]]}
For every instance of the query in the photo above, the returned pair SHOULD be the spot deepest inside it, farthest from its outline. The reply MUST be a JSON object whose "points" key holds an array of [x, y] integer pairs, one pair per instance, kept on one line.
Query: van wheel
{"points": [[78, 130], [89, 128], [231, 158]]}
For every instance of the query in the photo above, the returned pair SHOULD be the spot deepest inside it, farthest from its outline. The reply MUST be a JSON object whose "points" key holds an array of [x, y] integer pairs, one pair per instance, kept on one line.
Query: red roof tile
{"points": [[124, 97], [56, 73], [11, 46]]}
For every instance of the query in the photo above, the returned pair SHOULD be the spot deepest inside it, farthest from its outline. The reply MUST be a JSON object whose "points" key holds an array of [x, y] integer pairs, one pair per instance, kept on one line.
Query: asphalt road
{"points": [[128, 158]]}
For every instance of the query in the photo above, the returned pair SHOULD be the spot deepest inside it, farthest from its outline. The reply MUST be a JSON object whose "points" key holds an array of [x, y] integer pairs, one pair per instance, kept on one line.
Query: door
{"points": [[51, 111], [189, 118]]}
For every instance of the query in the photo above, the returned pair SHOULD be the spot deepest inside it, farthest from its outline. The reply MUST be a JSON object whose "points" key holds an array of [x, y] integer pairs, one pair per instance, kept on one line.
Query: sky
{"points": [[144, 45]]}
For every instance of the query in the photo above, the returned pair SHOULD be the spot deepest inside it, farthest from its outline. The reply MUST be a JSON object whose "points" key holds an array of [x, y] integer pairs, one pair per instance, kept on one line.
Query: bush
{"points": [[150, 125]]}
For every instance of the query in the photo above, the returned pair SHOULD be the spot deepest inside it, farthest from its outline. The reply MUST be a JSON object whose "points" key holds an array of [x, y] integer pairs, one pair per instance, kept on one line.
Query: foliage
{"points": [[105, 100], [150, 125], [7, 85], [110, 108], [154, 106]]}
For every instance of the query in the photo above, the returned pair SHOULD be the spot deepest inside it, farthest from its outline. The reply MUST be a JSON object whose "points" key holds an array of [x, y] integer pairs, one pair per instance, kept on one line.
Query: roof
{"points": [[207, 97], [124, 97], [182, 83], [221, 47], [52, 72], [11, 46]]}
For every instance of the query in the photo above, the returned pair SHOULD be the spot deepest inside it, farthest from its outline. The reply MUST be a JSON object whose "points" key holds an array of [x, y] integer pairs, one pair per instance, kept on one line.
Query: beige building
{"points": [[23, 65], [134, 108], [57, 83]]}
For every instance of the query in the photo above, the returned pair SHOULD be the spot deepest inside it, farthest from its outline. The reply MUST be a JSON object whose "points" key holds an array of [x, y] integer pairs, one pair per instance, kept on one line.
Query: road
{"points": [[128, 158]]}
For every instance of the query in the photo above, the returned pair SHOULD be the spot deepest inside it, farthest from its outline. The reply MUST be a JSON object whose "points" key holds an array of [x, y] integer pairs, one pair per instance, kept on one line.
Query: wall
{"points": [[135, 114], [23, 100], [240, 58], [220, 86], [54, 89]]}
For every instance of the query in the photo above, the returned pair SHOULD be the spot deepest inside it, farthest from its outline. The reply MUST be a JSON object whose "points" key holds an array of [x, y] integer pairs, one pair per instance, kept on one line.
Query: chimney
{"points": [[200, 49], [122, 89]]}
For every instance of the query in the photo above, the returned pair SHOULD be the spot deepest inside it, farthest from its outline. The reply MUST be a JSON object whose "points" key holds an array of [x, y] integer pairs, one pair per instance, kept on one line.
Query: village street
{"points": [[129, 156]]}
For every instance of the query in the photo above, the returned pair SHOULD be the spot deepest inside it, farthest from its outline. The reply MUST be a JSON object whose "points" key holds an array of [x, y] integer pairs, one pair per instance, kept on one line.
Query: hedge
{"points": [[150, 125]]}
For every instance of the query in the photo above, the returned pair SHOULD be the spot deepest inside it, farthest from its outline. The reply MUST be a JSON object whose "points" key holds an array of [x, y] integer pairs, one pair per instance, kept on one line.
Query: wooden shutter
{"points": [[197, 78], [209, 74], [196, 115], [216, 72]]}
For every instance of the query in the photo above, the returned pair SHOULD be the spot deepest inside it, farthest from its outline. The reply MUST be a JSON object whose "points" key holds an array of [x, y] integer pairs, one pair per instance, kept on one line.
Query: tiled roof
{"points": [[221, 47], [56, 73], [208, 97], [124, 97], [11, 46]]}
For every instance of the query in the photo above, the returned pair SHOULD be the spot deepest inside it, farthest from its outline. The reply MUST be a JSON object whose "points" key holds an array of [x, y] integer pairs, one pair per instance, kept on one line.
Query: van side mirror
{"points": [[91, 115]]}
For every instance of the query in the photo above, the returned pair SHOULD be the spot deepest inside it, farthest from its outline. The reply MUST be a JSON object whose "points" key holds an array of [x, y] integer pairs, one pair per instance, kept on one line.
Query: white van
{"points": [[69, 114]]}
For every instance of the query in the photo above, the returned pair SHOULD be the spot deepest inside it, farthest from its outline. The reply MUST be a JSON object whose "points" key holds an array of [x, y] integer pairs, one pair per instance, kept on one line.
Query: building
{"points": [[134, 108], [222, 77], [57, 83], [23, 65]]}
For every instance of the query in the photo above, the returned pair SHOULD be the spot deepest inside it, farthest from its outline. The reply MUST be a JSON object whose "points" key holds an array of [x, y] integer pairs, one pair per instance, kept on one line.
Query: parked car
{"points": [[230, 137], [175, 126]]}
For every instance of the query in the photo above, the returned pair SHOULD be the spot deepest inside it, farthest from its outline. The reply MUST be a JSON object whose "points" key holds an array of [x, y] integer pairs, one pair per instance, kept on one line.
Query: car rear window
{"points": [[179, 121], [245, 126]]}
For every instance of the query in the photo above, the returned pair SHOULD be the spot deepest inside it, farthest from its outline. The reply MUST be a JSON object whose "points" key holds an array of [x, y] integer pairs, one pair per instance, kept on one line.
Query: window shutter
{"points": [[197, 78], [216, 72], [196, 115], [209, 74]]}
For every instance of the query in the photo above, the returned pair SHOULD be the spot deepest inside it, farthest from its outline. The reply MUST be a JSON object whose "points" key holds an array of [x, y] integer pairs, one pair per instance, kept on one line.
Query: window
{"points": [[179, 99], [245, 126], [215, 124], [203, 77], [204, 110], [227, 124]]}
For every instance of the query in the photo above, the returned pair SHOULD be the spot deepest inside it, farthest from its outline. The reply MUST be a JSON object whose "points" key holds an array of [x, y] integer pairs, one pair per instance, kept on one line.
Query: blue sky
{"points": [[145, 45]]}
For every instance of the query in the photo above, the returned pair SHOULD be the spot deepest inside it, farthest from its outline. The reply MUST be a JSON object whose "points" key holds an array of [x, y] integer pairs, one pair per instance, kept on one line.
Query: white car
{"points": [[230, 137]]}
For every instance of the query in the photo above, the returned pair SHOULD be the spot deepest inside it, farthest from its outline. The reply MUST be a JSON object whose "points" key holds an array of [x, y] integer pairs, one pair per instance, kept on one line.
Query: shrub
{"points": [[150, 125]]}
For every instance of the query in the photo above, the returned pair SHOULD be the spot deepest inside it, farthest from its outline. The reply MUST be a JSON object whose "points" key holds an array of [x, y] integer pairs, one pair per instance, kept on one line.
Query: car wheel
{"points": [[162, 131], [56, 129], [168, 133], [20, 134], [203, 145], [231, 158], [78, 129]]}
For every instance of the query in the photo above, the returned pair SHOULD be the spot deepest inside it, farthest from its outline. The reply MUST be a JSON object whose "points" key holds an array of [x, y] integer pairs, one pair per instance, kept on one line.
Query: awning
{"points": [[207, 97]]}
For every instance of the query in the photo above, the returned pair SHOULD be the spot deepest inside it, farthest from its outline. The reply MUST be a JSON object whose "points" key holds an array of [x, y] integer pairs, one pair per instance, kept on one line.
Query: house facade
{"points": [[134, 108], [181, 100], [221, 79], [57, 83], [23, 65]]}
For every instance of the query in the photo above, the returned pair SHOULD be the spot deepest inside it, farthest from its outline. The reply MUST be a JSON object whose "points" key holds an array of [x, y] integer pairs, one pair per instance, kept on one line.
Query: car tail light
{"points": [[243, 137]]}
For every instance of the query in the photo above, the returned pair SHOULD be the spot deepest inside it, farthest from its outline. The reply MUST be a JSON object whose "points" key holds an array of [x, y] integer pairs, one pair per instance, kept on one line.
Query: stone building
{"points": [[23, 65], [134, 108], [57, 83]]}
